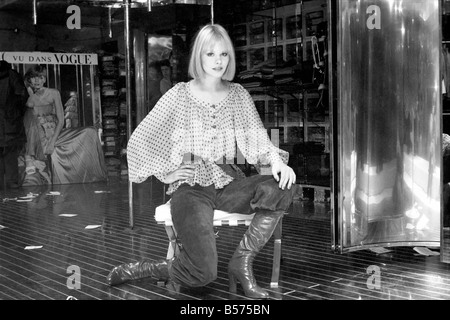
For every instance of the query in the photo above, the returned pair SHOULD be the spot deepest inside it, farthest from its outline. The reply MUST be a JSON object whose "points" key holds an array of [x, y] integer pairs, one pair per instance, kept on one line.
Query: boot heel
{"points": [[232, 286]]}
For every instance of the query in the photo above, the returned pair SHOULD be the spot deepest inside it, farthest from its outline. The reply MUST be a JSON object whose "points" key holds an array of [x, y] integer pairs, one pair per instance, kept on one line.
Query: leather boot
{"points": [[137, 270], [240, 267]]}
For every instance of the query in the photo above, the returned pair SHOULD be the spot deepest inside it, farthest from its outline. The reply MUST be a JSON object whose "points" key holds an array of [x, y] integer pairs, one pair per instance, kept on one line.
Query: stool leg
{"points": [[173, 249], [276, 255]]}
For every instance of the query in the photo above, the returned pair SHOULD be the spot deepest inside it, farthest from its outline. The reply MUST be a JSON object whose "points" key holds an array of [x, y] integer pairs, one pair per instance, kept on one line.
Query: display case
{"points": [[256, 32], [275, 29], [257, 57], [294, 52], [275, 65], [275, 53], [294, 27], [387, 187], [239, 35], [113, 91], [313, 19]]}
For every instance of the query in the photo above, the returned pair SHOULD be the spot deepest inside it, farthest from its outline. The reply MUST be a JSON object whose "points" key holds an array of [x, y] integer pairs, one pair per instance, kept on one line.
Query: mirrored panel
{"points": [[388, 133]]}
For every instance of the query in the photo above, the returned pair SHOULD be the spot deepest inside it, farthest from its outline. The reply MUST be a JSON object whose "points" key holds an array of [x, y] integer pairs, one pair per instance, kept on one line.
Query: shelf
{"points": [[274, 60], [113, 95]]}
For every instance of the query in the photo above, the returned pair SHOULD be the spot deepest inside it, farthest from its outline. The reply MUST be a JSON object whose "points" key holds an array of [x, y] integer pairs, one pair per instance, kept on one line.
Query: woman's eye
{"points": [[209, 54], [225, 54]]}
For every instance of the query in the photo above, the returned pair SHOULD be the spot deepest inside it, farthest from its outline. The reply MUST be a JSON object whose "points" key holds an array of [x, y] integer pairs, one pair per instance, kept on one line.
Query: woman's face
{"points": [[215, 60], [37, 82], [165, 72]]}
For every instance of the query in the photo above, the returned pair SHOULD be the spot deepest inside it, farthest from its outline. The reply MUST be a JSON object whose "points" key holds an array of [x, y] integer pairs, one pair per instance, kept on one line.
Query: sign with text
{"points": [[49, 58]]}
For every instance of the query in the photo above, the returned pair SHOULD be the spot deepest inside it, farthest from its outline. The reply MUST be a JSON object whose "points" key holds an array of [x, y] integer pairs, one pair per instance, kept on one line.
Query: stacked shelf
{"points": [[113, 97], [280, 61]]}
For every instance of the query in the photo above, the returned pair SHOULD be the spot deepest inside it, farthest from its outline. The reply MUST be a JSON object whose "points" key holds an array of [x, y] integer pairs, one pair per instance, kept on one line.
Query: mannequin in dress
{"points": [[76, 154]]}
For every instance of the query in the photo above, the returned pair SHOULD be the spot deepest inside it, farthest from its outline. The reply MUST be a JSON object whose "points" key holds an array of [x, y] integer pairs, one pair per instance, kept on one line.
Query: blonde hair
{"points": [[208, 35]]}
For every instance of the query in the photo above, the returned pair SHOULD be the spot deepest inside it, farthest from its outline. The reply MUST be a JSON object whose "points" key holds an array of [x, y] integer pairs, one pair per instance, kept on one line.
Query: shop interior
{"points": [[111, 60]]}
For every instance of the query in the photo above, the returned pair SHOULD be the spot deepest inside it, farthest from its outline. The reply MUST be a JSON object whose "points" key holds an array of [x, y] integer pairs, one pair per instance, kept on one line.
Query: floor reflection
{"points": [[57, 218]]}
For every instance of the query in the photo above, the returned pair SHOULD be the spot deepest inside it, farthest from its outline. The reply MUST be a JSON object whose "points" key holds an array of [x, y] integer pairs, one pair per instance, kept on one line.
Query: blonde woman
{"points": [[188, 141]]}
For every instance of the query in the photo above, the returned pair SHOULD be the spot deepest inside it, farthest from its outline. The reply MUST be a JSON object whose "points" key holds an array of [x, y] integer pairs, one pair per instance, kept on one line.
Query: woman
{"points": [[76, 154], [166, 82], [188, 141]]}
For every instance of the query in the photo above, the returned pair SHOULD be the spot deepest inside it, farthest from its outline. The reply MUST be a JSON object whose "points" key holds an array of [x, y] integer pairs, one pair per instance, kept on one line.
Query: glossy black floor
{"points": [[54, 219]]}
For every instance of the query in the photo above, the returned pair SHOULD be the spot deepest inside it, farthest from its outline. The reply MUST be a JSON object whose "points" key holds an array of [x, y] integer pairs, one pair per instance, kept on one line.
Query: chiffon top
{"points": [[184, 129]]}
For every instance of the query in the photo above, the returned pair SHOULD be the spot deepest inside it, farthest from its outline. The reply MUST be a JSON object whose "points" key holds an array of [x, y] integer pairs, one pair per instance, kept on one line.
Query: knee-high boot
{"points": [[137, 270], [240, 267]]}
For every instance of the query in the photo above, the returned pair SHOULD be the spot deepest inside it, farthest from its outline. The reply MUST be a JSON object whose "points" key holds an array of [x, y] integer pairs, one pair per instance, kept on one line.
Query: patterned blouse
{"points": [[183, 129]]}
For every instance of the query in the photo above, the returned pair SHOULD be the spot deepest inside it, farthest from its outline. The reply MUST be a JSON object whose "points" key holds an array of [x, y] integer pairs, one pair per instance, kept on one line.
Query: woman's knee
{"points": [[269, 196]]}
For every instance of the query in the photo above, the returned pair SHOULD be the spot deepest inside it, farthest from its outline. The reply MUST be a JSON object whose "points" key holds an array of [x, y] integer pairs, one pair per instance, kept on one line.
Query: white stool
{"points": [[163, 216]]}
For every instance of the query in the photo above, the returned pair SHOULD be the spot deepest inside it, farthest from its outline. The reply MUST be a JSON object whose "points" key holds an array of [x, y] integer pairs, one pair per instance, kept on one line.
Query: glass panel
{"points": [[295, 135], [71, 96], [275, 29], [309, 52], [271, 55], [162, 61], [261, 108], [87, 88], [294, 52], [388, 136], [293, 111], [316, 134], [240, 35], [256, 57], [257, 32], [294, 27], [241, 61], [312, 21], [276, 112]]}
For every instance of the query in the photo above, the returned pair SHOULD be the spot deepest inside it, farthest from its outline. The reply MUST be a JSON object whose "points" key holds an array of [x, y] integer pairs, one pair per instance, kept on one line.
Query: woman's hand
{"points": [[185, 171], [49, 148], [29, 90], [286, 175]]}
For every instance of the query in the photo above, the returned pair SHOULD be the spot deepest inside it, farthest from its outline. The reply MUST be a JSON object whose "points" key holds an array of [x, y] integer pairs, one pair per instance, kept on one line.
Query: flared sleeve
{"points": [[152, 148], [251, 136]]}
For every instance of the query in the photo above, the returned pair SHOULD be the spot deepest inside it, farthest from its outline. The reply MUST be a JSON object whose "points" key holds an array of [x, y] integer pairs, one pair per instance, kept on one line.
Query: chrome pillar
{"points": [[127, 5], [34, 12], [212, 11], [140, 73], [387, 133]]}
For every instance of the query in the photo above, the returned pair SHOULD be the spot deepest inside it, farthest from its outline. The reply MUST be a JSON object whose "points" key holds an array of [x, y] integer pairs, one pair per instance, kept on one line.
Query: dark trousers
{"points": [[9, 165], [192, 215]]}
